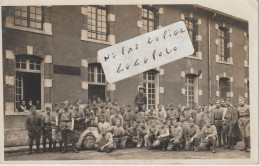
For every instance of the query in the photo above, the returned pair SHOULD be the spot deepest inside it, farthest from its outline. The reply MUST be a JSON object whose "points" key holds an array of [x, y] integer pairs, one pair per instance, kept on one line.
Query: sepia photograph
{"points": [[125, 82]]}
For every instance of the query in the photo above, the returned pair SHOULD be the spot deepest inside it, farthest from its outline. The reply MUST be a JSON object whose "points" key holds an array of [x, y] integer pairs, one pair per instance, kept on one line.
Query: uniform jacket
{"points": [[34, 123], [176, 132], [140, 99]]}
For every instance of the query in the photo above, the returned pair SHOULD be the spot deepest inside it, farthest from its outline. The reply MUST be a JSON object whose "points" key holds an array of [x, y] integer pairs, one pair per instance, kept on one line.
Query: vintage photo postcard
{"points": [[141, 82]]}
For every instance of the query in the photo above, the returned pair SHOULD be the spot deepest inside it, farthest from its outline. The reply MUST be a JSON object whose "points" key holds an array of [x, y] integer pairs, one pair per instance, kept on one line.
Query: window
{"points": [[97, 82], [149, 85], [190, 89], [148, 18], [96, 74], [224, 87], [28, 80], [222, 46], [97, 22], [29, 16], [192, 30]]}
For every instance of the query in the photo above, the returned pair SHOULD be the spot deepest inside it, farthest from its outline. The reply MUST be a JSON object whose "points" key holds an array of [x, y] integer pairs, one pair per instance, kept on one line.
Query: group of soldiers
{"points": [[118, 127]]}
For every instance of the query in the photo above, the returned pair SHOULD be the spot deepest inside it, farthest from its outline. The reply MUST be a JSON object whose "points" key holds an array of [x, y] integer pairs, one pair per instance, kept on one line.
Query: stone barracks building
{"points": [[50, 55]]}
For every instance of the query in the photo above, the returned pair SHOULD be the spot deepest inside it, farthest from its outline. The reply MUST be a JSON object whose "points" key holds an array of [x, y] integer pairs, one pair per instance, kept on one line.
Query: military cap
{"points": [[227, 99], [191, 120], [141, 88], [207, 120], [65, 102], [241, 98], [56, 104]]}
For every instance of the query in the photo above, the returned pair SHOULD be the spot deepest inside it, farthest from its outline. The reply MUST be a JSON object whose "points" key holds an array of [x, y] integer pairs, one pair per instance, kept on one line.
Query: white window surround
{"points": [[222, 62], [84, 37], [47, 27]]}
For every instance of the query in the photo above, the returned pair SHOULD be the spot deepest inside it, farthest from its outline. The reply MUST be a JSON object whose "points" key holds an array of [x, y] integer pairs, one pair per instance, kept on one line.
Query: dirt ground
{"points": [[130, 154]]}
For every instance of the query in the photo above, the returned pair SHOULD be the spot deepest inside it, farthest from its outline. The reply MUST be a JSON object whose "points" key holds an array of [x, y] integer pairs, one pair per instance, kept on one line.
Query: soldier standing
{"points": [[217, 121], [244, 123], [162, 136], [141, 100], [199, 117], [128, 116], [231, 129], [33, 125], [188, 112], [79, 117], [66, 116], [173, 113], [183, 124], [191, 135], [46, 132], [175, 136], [161, 113], [56, 132]]}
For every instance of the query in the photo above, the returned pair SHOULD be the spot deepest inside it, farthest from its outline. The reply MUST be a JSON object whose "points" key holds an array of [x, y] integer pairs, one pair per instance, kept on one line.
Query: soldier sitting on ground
{"points": [[208, 137], [105, 142], [119, 135]]}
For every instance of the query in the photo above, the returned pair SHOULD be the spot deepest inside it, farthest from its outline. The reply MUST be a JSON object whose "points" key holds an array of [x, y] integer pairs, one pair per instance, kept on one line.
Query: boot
{"points": [[60, 146], [232, 143], [214, 146], [219, 141], [75, 149], [227, 146], [54, 146], [224, 141], [246, 144], [65, 148], [38, 147], [30, 149], [50, 144], [44, 145]]}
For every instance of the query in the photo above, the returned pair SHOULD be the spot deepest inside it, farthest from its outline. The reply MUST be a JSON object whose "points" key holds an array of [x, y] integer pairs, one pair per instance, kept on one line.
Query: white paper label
{"points": [[146, 52]]}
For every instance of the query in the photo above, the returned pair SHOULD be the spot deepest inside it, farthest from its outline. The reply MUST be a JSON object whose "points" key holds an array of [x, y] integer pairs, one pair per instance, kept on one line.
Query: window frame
{"points": [[222, 46], [96, 74], [194, 31], [146, 82], [96, 22], [148, 19], [28, 18]]}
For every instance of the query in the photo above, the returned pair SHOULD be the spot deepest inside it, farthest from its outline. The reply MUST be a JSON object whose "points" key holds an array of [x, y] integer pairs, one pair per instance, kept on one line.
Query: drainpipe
{"points": [[209, 62]]}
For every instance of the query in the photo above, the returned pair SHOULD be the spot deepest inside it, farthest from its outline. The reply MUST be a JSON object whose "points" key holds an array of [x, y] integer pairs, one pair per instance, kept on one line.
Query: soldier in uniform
{"points": [[149, 137], [114, 118], [128, 116], [119, 135], [173, 113], [66, 116], [47, 129], [217, 114], [105, 142], [208, 136], [188, 112], [231, 129], [244, 123], [56, 132], [162, 136], [199, 117], [191, 136], [183, 124], [91, 123], [175, 136], [161, 113], [141, 100], [132, 133], [103, 124], [104, 113], [33, 125], [79, 117], [151, 113]]}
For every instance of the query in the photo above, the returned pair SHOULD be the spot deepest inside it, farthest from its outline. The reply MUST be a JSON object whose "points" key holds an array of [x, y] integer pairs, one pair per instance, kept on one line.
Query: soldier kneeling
{"points": [[105, 142], [162, 136], [176, 136], [192, 136], [208, 137]]}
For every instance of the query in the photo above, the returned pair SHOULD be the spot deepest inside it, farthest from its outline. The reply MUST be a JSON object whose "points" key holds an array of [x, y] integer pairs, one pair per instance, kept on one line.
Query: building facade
{"points": [[50, 55]]}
